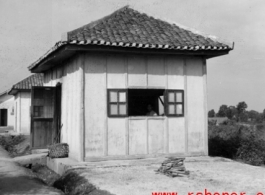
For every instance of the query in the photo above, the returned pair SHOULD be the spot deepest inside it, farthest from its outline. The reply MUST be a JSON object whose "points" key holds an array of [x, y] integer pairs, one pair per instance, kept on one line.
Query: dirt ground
{"points": [[214, 174]]}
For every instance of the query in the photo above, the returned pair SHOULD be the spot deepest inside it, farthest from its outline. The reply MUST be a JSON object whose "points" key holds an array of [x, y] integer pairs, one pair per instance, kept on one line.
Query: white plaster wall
{"points": [[70, 75], [138, 135], [25, 102], [17, 113], [105, 136], [195, 106], [22, 112], [7, 102], [95, 105]]}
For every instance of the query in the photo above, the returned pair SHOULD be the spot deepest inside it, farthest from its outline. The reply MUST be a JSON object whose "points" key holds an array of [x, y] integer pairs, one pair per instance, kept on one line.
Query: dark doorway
{"points": [[3, 117]]}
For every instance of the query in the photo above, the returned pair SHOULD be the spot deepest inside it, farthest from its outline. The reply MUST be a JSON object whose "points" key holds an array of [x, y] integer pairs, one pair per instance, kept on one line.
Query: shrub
{"points": [[224, 147], [9, 142], [237, 142], [252, 151]]}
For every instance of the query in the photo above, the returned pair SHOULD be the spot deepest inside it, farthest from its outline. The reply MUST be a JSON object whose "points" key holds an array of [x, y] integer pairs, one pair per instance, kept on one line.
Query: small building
{"points": [[21, 92], [6, 111], [100, 79]]}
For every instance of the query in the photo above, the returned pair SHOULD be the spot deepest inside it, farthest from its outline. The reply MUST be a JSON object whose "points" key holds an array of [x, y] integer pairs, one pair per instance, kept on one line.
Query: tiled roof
{"points": [[27, 83], [128, 27]]}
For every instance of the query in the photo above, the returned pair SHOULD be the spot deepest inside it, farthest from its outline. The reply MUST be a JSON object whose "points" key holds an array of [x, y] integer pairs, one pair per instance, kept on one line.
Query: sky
{"points": [[29, 28]]}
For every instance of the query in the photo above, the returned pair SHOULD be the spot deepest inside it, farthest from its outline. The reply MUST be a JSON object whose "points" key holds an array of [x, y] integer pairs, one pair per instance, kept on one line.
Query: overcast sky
{"points": [[28, 28]]}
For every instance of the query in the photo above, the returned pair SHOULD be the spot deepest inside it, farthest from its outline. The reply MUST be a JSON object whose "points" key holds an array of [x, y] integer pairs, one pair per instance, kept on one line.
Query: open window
{"points": [[139, 99], [135, 102]]}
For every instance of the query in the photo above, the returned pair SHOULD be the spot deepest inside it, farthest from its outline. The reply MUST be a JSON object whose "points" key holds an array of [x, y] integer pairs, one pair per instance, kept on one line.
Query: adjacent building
{"points": [[21, 93], [7, 116]]}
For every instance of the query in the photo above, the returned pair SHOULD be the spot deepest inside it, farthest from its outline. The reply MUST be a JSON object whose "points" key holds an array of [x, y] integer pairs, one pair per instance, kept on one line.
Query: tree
{"points": [[222, 111], [241, 109], [231, 112], [211, 113], [253, 115]]}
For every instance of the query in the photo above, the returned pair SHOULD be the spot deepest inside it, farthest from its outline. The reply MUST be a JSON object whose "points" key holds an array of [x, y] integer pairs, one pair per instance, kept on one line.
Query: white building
{"points": [[101, 77]]}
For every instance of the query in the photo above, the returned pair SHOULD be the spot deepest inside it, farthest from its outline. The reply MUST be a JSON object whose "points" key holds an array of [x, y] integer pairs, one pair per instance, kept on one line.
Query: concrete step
{"points": [[31, 159]]}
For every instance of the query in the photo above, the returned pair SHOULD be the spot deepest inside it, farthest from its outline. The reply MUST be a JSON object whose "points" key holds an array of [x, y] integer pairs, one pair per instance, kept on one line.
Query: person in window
{"points": [[150, 112]]}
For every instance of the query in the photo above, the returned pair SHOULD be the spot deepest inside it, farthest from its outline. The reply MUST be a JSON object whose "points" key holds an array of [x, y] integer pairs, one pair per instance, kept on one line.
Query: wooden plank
{"points": [[95, 107], [176, 128], [175, 72], [156, 71], [116, 136], [137, 137], [136, 71], [116, 72], [186, 106], [195, 107], [204, 67], [156, 136]]}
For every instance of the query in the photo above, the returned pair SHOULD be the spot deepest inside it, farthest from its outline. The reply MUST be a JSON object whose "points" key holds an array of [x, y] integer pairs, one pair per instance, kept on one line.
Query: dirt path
{"points": [[18, 180], [214, 174]]}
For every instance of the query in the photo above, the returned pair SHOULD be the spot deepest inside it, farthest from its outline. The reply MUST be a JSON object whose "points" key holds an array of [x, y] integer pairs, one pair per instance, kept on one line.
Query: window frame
{"points": [[167, 103], [117, 103]]}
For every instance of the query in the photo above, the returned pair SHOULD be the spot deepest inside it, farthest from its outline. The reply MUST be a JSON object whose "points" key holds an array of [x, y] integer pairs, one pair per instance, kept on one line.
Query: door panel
{"points": [[43, 128]]}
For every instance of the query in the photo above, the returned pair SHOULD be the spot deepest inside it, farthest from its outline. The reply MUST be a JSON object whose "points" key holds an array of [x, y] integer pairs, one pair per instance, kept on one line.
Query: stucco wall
{"points": [[70, 75], [22, 112], [106, 136], [85, 80], [7, 102]]}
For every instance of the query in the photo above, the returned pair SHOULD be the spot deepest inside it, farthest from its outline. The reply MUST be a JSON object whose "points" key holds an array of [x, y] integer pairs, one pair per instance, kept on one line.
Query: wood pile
{"points": [[173, 167]]}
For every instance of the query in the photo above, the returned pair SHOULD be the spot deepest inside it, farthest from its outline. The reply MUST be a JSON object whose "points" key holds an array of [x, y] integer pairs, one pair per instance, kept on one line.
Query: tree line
{"points": [[238, 113]]}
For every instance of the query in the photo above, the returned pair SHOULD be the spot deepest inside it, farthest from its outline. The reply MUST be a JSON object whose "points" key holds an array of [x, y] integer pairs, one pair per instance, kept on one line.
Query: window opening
{"points": [[140, 99], [145, 102]]}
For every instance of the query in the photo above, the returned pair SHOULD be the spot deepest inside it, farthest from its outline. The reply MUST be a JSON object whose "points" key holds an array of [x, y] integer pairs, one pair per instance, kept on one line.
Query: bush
{"points": [[224, 147], [9, 142], [252, 151], [237, 142]]}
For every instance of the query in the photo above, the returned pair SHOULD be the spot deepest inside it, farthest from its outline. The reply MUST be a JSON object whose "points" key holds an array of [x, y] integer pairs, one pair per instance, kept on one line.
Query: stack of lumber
{"points": [[173, 167]]}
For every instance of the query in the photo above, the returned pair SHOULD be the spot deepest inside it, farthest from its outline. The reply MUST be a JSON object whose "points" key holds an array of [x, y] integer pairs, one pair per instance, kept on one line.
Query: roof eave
{"points": [[16, 91], [60, 54]]}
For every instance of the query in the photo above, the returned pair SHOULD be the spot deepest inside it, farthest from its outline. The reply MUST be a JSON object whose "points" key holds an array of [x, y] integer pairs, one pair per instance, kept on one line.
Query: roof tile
{"points": [[130, 26], [27, 83]]}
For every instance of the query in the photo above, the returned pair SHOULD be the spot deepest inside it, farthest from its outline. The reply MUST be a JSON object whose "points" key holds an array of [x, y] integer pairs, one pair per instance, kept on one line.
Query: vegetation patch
{"points": [[10, 142], [45, 174], [72, 183], [238, 142]]}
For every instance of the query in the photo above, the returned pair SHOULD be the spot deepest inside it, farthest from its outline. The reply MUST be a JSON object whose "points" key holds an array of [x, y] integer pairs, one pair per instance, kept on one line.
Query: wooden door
{"points": [[43, 127]]}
